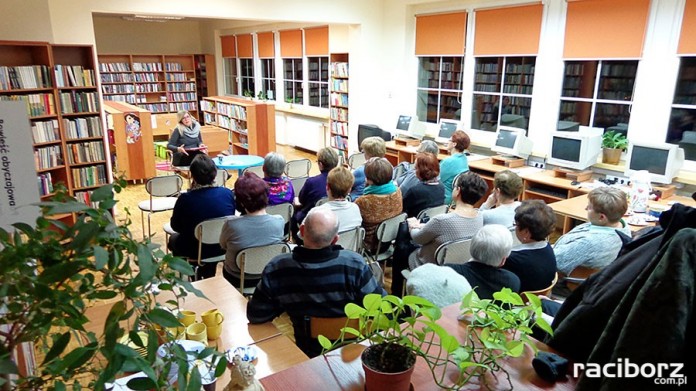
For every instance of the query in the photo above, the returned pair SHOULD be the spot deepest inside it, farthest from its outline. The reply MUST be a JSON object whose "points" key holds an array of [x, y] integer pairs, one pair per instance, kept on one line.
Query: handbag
{"points": [[403, 247]]}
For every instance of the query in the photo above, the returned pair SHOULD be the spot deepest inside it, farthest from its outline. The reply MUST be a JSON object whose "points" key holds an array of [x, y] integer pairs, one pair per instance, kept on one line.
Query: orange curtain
{"points": [[687, 41], [440, 34], [605, 28], [244, 46], [229, 47], [291, 43], [510, 30], [266, 46], [317, 41]]}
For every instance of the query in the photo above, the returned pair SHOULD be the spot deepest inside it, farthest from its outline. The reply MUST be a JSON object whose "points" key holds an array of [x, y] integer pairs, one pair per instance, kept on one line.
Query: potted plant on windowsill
{"points": [[52, 273], [497, 330], [613, 143]]}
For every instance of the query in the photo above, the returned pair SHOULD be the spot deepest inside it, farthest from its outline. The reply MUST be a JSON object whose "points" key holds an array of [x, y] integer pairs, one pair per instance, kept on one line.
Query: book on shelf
{"points": [[45, 131]]}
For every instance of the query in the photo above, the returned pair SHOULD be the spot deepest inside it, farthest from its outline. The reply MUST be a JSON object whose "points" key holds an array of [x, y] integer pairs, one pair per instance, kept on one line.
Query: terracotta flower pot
{"points": [[378, 381], [611, 155]]}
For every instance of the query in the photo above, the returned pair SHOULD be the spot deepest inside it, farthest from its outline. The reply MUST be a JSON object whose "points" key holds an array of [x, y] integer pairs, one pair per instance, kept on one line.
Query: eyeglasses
{"points": [[187, 116]]}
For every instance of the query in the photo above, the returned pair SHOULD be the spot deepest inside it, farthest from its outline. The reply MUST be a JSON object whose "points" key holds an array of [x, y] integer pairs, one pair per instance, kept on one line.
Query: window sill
{"points": [[296, 109]]}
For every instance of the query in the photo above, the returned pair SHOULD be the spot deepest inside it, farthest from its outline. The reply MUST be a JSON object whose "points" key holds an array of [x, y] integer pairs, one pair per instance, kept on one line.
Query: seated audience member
{"points": [[428, 192], [381, 200], [439, 284], [252, 229], [316, 279], [533, 260], [202, 202], [595, 244], [186, 140], [314, 188], [338, 185], [500, 206], [460, 223], [455, 164], [371, 147], [280, 188], [408, 179], [489, 249]]}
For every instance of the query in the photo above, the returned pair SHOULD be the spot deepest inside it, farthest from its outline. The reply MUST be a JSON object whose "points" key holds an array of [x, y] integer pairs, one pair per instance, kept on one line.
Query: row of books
{"points": [[114, 67], [182, 96], [74, 76], [340, 128], [116, 78], [339, 99], [24, 77], [48, 157], [190, 106], [229, 110], [120, 98], [45, 131], [45, 183], [149, 87], [146, 77], [339, 69], [181, 86], [82, 127], [207, 106], [86, 198], [89, 176], [147, 66], [338, 114], [339, 142], [177, 77], [339, 85], [119, 88], [174, 66], [89, 152], [79, 102], [230, 123], [154, 107], [37, 104]]}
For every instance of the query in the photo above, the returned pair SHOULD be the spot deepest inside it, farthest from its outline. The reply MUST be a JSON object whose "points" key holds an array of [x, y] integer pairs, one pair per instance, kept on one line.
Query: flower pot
{"points": [[376, 380], [611, 155]]}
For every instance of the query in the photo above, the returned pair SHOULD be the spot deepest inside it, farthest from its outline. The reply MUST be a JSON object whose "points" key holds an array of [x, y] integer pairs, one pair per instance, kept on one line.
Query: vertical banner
{"points": [[18, 185]]}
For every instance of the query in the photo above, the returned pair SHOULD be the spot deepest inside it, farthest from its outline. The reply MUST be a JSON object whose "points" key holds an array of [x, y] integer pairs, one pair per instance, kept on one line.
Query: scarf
{"points": [[387, 188], [191, 132]]}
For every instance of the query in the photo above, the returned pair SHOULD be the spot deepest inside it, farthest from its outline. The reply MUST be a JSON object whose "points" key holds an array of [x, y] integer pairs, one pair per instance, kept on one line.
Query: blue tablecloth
{"points": [[237, 162]]}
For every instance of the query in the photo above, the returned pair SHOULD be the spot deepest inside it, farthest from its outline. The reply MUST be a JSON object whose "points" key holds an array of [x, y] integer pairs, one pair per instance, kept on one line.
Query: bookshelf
{"points": [[132, 140], [206, 76], [58, 84], [439, 83], [157, 83], [338, 112], [250, 123]]}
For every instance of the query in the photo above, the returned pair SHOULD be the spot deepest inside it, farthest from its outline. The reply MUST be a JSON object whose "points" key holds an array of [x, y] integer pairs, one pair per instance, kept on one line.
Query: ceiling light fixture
{"points": [[151, 18]]}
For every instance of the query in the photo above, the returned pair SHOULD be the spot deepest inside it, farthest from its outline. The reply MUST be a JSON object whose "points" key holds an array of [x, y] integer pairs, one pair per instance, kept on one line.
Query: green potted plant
{"points": [[613, 143], [248, 94], [53, 272], [261, 95], [398, 330]]}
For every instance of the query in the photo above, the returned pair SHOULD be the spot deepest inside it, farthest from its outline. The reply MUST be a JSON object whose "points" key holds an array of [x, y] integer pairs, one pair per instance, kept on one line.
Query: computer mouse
{"points": [[574, 183]]}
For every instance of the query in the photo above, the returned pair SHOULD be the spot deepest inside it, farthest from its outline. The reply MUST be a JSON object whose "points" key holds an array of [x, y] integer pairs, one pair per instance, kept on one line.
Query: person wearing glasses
{"points": [[455, 164], [186, 140]]}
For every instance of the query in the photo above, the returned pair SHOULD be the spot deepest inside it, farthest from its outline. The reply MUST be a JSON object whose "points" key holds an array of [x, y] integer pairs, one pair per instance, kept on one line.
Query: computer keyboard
{"points": [[549, 192]]}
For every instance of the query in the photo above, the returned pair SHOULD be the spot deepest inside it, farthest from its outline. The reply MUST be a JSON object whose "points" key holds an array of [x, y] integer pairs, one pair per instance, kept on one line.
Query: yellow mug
{"points": [[197, 332], [214, 331], [187, 317], [177, 332], [212, 317]]}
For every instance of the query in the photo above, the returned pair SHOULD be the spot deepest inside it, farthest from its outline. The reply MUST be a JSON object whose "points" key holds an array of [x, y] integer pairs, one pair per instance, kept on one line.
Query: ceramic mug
{"points": [[197, 332], [212, 317], [214, 331], [187, 318], [177, 332]]}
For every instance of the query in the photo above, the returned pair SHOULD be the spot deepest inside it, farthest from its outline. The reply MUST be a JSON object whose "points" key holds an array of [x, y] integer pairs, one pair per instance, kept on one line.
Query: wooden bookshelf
{"points": [[58, 83], [132, 135], [338, 119], [157, 83], [206, 76], [250, 123]]}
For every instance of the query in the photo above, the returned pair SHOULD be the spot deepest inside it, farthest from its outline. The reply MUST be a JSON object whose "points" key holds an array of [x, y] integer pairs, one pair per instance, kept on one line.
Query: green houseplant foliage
{"points": [[53, 272], [614, 140], [498, 329]]}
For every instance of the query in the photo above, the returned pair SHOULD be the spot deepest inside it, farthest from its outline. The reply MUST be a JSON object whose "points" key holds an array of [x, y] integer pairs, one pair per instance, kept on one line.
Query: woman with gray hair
{"points": [[490, 247], [280, 188], [409, 179]]}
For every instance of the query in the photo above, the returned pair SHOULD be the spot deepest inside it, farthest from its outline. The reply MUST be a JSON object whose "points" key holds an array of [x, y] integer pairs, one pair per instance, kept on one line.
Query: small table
{"points": [[237, 162]]}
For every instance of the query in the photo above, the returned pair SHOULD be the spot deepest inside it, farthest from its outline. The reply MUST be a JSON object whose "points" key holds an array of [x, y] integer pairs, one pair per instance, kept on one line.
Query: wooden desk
{"points": [[402, 153], [276, 351], [342, 368]]}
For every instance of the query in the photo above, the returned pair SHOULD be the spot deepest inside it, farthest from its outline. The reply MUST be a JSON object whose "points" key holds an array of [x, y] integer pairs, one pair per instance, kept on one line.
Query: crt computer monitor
{"points": [[662, 160], [366, 130], [410, 126], [447, 127], [576, 150], [512, 141]]}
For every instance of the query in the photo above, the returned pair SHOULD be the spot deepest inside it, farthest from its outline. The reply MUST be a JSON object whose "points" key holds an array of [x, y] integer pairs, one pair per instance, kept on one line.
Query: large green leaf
{"points": [[58, 347], [163, 318], [141, 383], [353, 311]]}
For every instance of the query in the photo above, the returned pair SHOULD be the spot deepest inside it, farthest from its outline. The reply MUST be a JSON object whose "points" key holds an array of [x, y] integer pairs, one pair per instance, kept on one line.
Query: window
{"points": [[293, 80], [247, 76], [230, 67], [318, 79], [502, 92], [598, 93], [439, 88], [268, 86], [681, 128]]}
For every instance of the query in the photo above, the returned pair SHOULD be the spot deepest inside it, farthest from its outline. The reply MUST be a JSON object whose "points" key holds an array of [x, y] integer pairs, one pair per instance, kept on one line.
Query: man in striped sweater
{"points": [[317, 279]]}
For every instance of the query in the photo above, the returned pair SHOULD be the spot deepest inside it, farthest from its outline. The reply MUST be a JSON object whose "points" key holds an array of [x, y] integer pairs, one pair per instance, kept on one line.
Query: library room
{"points": [[231, 195]]}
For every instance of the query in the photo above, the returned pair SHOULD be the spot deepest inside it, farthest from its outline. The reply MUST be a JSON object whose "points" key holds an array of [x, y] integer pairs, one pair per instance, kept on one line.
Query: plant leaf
{"points": [[353, 311], [141, 383], [57, 348], [163, 318], [324, 342]]}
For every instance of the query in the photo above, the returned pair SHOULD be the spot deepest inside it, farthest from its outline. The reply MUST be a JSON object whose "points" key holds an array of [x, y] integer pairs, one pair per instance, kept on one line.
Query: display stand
{"points": [[131, 126], [406, 141], [508, 161], [573, 175], [666, 190]]}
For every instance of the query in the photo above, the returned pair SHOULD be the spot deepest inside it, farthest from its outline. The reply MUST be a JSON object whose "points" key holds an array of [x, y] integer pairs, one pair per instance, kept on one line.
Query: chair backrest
{"points": [[455, 251], [208, 232], [399, 170], [322, 201], [253, 260], [328, 327], [578, 275], [356, 160], [297, 184], [286, 210], [258, 170], [221, 178], [432, 212], [352, 239], [164, 186], [298, 168], [545, 291], [387, 230]]}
